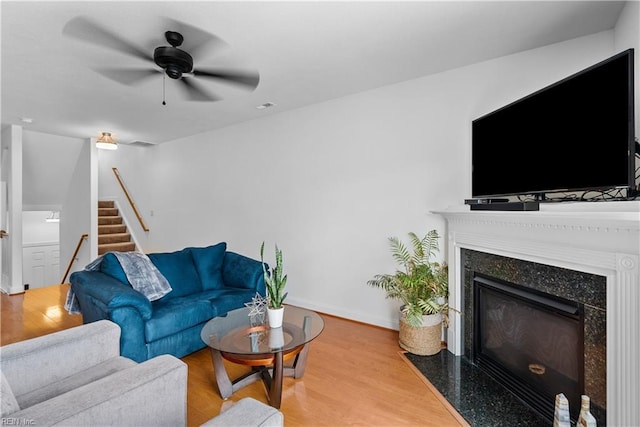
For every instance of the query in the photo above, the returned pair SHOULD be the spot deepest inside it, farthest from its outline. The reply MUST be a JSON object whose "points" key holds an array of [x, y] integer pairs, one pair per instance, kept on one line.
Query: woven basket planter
{"points": [[425, 340]]}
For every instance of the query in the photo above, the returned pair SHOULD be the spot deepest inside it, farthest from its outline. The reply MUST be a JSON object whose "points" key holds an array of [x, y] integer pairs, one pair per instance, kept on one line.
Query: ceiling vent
{"points": [[138, 143]]}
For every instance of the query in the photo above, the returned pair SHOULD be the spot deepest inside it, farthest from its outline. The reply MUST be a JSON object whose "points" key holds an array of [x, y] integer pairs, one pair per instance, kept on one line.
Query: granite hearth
{"points": [[478, 398]]}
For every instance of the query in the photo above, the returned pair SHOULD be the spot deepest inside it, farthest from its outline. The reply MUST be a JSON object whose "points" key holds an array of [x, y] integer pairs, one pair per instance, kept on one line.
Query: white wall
{"points": [[47, 164], [36, 230], [128, 160], [79, 214], [12, 245], [627, 35], [330, 182]]}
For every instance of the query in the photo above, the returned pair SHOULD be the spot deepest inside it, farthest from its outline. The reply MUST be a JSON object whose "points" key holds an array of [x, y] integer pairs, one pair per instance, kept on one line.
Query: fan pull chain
{"points": [[163, 94]]}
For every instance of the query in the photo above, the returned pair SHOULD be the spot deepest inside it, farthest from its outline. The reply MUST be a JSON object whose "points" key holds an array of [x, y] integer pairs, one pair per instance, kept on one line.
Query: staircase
{"points": [[112, 232]]}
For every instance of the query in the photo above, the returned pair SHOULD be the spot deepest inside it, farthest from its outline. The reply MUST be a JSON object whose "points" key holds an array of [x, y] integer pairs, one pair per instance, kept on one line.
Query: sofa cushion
{"points": [[178, 268], [225, 300], [8, 402], [239, 271], [208, 262], [177, 314], [111, 267], [75, 381]]}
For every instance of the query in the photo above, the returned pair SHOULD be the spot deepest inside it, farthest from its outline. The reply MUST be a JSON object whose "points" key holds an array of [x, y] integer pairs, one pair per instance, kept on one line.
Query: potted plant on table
{"points": [[275, 282], [422, 286]]}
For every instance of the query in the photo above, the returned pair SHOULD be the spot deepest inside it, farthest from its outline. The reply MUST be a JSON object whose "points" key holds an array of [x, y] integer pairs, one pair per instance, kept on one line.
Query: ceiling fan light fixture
{"points": [[173, 61], [174, 71], [106, 142]]}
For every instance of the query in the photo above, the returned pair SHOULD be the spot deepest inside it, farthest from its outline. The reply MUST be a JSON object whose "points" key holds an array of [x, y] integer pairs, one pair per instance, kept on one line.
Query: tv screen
{"points": [[574, 135]]}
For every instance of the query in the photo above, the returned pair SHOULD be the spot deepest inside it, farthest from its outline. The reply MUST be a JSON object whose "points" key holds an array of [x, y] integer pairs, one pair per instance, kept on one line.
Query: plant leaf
{"points": [[422, 282]]}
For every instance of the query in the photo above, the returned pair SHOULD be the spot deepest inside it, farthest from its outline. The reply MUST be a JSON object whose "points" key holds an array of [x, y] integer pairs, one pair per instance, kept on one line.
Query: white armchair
{"points": [[77, 377]]}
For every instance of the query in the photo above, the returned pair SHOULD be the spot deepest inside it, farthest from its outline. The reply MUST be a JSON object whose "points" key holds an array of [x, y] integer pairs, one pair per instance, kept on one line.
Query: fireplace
{"points": [[529, 341], [554, 321], [585, 253]]}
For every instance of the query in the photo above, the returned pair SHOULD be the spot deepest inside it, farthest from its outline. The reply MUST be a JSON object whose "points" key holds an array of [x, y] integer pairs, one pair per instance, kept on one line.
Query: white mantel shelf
{"points": [[600, 238]]}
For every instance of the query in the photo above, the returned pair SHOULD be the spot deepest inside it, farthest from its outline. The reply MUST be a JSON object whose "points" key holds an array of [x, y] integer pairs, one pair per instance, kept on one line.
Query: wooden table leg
{"points": [[271, 376], [222, 378], [301, 359], [275, 391], [300, 363]]}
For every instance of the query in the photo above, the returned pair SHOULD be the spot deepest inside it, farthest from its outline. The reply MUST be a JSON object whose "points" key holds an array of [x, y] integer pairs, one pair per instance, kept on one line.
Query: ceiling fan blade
{"points": [[127, 76], [248, 79], [196, 40], [196, 92], [84, 29]]}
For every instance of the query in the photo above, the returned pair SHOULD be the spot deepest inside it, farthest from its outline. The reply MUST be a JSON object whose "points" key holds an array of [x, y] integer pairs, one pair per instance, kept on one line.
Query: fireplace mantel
{"points": [[600, 238]]}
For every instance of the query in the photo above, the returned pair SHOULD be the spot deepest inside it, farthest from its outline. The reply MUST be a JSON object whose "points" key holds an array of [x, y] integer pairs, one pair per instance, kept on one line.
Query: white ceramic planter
{"points": [[275, 316], [276, 338]]}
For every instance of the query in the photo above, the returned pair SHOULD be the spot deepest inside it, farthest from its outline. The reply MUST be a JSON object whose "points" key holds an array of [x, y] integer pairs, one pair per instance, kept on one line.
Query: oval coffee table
{"points": [[247, 340]]}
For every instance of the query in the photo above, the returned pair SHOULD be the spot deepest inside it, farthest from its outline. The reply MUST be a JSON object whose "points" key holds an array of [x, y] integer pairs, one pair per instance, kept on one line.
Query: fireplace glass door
{"points": [[530, 342]]}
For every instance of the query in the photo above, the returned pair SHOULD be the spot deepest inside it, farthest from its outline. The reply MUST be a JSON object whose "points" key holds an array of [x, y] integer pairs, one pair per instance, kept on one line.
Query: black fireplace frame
{"points": [[573, 310]]}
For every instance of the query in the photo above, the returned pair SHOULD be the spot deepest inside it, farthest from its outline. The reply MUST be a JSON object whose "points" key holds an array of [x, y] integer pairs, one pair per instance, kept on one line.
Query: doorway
{"points": [[40, 248]]}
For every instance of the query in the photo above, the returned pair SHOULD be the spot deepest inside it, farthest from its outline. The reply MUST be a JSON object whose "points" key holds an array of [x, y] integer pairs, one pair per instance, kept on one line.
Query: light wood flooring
{"points": [[355, 375]]}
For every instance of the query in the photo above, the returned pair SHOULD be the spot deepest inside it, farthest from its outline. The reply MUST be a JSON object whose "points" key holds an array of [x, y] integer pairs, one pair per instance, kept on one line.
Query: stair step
{"points": [[112, 232], [109, 220], [113, 238], [111, 229], [118, 247], [108, 212], [106, 204]]}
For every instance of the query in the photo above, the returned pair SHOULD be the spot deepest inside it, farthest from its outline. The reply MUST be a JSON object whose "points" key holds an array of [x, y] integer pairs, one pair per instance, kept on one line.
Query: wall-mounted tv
{"points": [[574, 135]]}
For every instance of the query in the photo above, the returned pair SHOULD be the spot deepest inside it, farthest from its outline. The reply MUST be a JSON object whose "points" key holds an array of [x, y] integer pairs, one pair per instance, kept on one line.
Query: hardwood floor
{"points": [[355, 375]]}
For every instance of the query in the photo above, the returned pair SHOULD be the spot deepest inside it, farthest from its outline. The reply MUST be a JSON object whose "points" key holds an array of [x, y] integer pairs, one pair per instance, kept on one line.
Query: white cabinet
{"points": [[41, 264]]}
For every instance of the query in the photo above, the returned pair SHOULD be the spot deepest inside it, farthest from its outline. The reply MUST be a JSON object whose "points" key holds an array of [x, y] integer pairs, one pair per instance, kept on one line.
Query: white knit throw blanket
{"points": [[141, 273]]}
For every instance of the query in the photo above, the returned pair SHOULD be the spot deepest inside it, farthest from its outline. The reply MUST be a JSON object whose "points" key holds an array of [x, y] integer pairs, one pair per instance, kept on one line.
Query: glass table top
{"points": [[239, 333]]}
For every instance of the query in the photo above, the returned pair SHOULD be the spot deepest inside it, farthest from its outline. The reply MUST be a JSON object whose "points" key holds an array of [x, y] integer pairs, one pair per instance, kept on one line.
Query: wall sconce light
{"points": [[106, 142], [53, 217]]}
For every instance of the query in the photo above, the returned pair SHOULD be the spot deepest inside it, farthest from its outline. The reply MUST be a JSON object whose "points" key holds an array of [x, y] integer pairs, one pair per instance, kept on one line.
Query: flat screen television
{"points": [[574, 135]]}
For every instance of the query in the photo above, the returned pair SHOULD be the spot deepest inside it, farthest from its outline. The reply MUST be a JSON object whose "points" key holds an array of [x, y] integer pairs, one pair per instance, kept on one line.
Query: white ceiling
{"points": [[306, 52]]}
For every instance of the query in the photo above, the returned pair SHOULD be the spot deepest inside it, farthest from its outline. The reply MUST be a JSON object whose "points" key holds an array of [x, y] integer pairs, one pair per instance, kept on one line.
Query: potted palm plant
{"points": [[275, 281], [422, 286]]}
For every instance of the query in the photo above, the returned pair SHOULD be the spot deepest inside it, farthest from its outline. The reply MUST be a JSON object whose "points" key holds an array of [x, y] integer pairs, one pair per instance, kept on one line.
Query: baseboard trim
{"points": [[339, 312]]}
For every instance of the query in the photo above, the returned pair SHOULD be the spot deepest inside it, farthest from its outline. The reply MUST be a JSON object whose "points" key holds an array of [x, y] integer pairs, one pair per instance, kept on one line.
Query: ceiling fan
{"points": [[176, 62]]}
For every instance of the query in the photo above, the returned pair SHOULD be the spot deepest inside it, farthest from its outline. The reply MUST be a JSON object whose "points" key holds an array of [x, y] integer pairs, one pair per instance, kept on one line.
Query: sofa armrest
{"points": [[36, 362], [110, 292], [153, 393], [239, 271], [248, 412]]}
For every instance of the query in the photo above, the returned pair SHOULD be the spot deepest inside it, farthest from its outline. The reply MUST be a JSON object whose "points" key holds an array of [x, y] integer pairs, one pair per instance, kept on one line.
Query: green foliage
{"points": [[422, 285], [274, 280]]}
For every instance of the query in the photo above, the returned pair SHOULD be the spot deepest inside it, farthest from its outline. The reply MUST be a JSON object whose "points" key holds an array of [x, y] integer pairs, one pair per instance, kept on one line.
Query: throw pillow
{"points": [[240, 271], [8, 401], [208, 262], [179, 270], [111, 266]]}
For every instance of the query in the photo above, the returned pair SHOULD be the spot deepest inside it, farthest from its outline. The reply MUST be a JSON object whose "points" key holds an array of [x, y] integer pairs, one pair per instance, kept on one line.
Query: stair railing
{"points": [[73, 257], [133, 205]]}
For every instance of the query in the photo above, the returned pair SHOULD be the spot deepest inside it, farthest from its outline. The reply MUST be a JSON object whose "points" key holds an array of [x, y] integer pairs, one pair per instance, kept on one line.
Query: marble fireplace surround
{"points": [[601, 238]]}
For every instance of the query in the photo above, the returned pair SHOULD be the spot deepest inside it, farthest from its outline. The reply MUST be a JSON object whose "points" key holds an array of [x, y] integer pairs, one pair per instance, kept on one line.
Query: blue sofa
{"points": [[206, 282]]}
